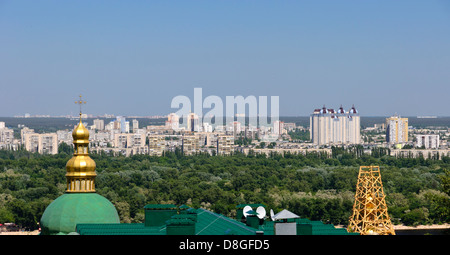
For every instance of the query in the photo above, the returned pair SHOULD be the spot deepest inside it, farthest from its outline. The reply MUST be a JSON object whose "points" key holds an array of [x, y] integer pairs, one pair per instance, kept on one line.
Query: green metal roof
{"points": [[184, 207], [209, 223], [206, 223], [119, 229]]}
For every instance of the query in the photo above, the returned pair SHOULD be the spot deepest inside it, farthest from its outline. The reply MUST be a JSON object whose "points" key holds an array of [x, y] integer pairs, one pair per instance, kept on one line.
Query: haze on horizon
{"points": [[134, 57]]}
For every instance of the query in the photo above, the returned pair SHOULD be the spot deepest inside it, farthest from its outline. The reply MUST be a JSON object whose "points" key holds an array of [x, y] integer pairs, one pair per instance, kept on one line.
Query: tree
{"points": [[445, 180], [65, 148]]}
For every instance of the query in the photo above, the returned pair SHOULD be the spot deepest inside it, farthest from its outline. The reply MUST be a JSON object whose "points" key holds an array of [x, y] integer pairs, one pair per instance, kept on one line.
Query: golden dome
{"points": [[81, 165], [80, 134]]}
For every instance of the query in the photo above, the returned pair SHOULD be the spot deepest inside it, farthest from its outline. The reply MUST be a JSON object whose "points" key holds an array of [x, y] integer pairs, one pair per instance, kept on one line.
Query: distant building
{"points": [[24, 131], [278, 127], [289, 126], [135, 125], [173, 121], [7, 140], [41, 143], [6, 134], [396, 130], [193, 123], [64, 136], [190, 144], [225, 144], [129, 140], [234, 127], [207, 127], [428, 141], [122, 124], [99, 124], [156, 145], [328, 126]]}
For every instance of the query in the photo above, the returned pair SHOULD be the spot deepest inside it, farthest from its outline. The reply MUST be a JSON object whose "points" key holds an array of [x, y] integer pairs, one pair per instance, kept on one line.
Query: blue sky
{"points": [[134, 57]]}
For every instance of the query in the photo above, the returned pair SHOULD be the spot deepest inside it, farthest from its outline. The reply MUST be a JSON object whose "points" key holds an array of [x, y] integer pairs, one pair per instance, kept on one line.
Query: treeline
{"points": [[315, 186]]}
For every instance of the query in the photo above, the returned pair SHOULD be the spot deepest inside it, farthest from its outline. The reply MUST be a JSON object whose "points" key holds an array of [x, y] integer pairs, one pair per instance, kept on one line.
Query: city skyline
{"points": [[134, 58]]}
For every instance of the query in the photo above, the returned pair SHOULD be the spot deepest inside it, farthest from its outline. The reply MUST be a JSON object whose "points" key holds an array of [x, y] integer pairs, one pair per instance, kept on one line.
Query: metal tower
{"points": [[370, 216]]}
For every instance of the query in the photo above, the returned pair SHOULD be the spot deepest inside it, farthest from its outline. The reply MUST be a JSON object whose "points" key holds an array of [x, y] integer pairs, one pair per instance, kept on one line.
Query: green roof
{"points": [[119, 229], [184, 207], [209, 223], [206, 223]]}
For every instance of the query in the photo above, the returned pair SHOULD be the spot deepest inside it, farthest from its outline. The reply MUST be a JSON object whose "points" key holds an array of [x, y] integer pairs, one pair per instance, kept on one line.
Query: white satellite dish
{"points": [[261, 212], [246, 209], [271, 215]]}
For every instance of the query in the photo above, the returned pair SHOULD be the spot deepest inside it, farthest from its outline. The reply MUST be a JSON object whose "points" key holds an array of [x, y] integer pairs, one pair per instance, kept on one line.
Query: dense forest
{"points": [[314, 186]]}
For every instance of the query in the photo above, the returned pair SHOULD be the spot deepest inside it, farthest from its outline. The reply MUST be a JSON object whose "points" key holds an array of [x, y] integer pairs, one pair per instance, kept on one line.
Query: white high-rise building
{"points": [[328, 126], [278, 127]]}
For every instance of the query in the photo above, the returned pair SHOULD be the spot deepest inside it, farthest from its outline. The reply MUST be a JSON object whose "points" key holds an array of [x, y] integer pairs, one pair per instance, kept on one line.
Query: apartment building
{"points": [[99, 124], [156, 145], [173, 121], [129, 140], [278, 127], [328, 126], [396, 130], [41, 143], [190, 144], [225, 144], [7, 140], [427, 141]]}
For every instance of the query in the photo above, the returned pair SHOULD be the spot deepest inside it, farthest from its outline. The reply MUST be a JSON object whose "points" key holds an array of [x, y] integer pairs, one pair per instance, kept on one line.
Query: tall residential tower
{"points": [[396, 130], [328, 126]]}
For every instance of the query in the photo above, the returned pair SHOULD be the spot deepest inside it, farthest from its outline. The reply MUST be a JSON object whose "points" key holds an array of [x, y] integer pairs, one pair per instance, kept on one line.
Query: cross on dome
{"points": [[80, 102]]}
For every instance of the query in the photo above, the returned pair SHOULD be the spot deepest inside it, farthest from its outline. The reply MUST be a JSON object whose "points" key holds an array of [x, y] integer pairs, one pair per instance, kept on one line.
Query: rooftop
{"points": [[204, 222]]}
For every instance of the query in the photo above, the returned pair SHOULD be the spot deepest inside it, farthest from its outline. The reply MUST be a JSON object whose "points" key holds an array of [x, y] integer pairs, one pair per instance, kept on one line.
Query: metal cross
{"points": [[80, 102]]}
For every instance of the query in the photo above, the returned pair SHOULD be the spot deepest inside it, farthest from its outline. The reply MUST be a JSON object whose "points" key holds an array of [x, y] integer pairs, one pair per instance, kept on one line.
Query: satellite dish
{"points": [[261, 212], [271, 215], [246, 209]]}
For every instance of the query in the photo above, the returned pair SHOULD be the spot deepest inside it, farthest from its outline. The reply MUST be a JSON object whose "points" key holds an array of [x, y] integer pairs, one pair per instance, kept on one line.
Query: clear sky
{"points": [[133, 57]]}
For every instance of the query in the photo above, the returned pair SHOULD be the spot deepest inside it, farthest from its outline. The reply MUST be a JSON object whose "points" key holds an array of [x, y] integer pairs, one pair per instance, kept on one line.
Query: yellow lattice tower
{"points": [[370, 213]]}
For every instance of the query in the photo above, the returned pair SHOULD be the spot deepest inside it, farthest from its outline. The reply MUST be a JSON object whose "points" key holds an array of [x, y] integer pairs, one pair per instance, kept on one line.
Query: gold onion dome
{"points": [[80, 168], [80, 133]]}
